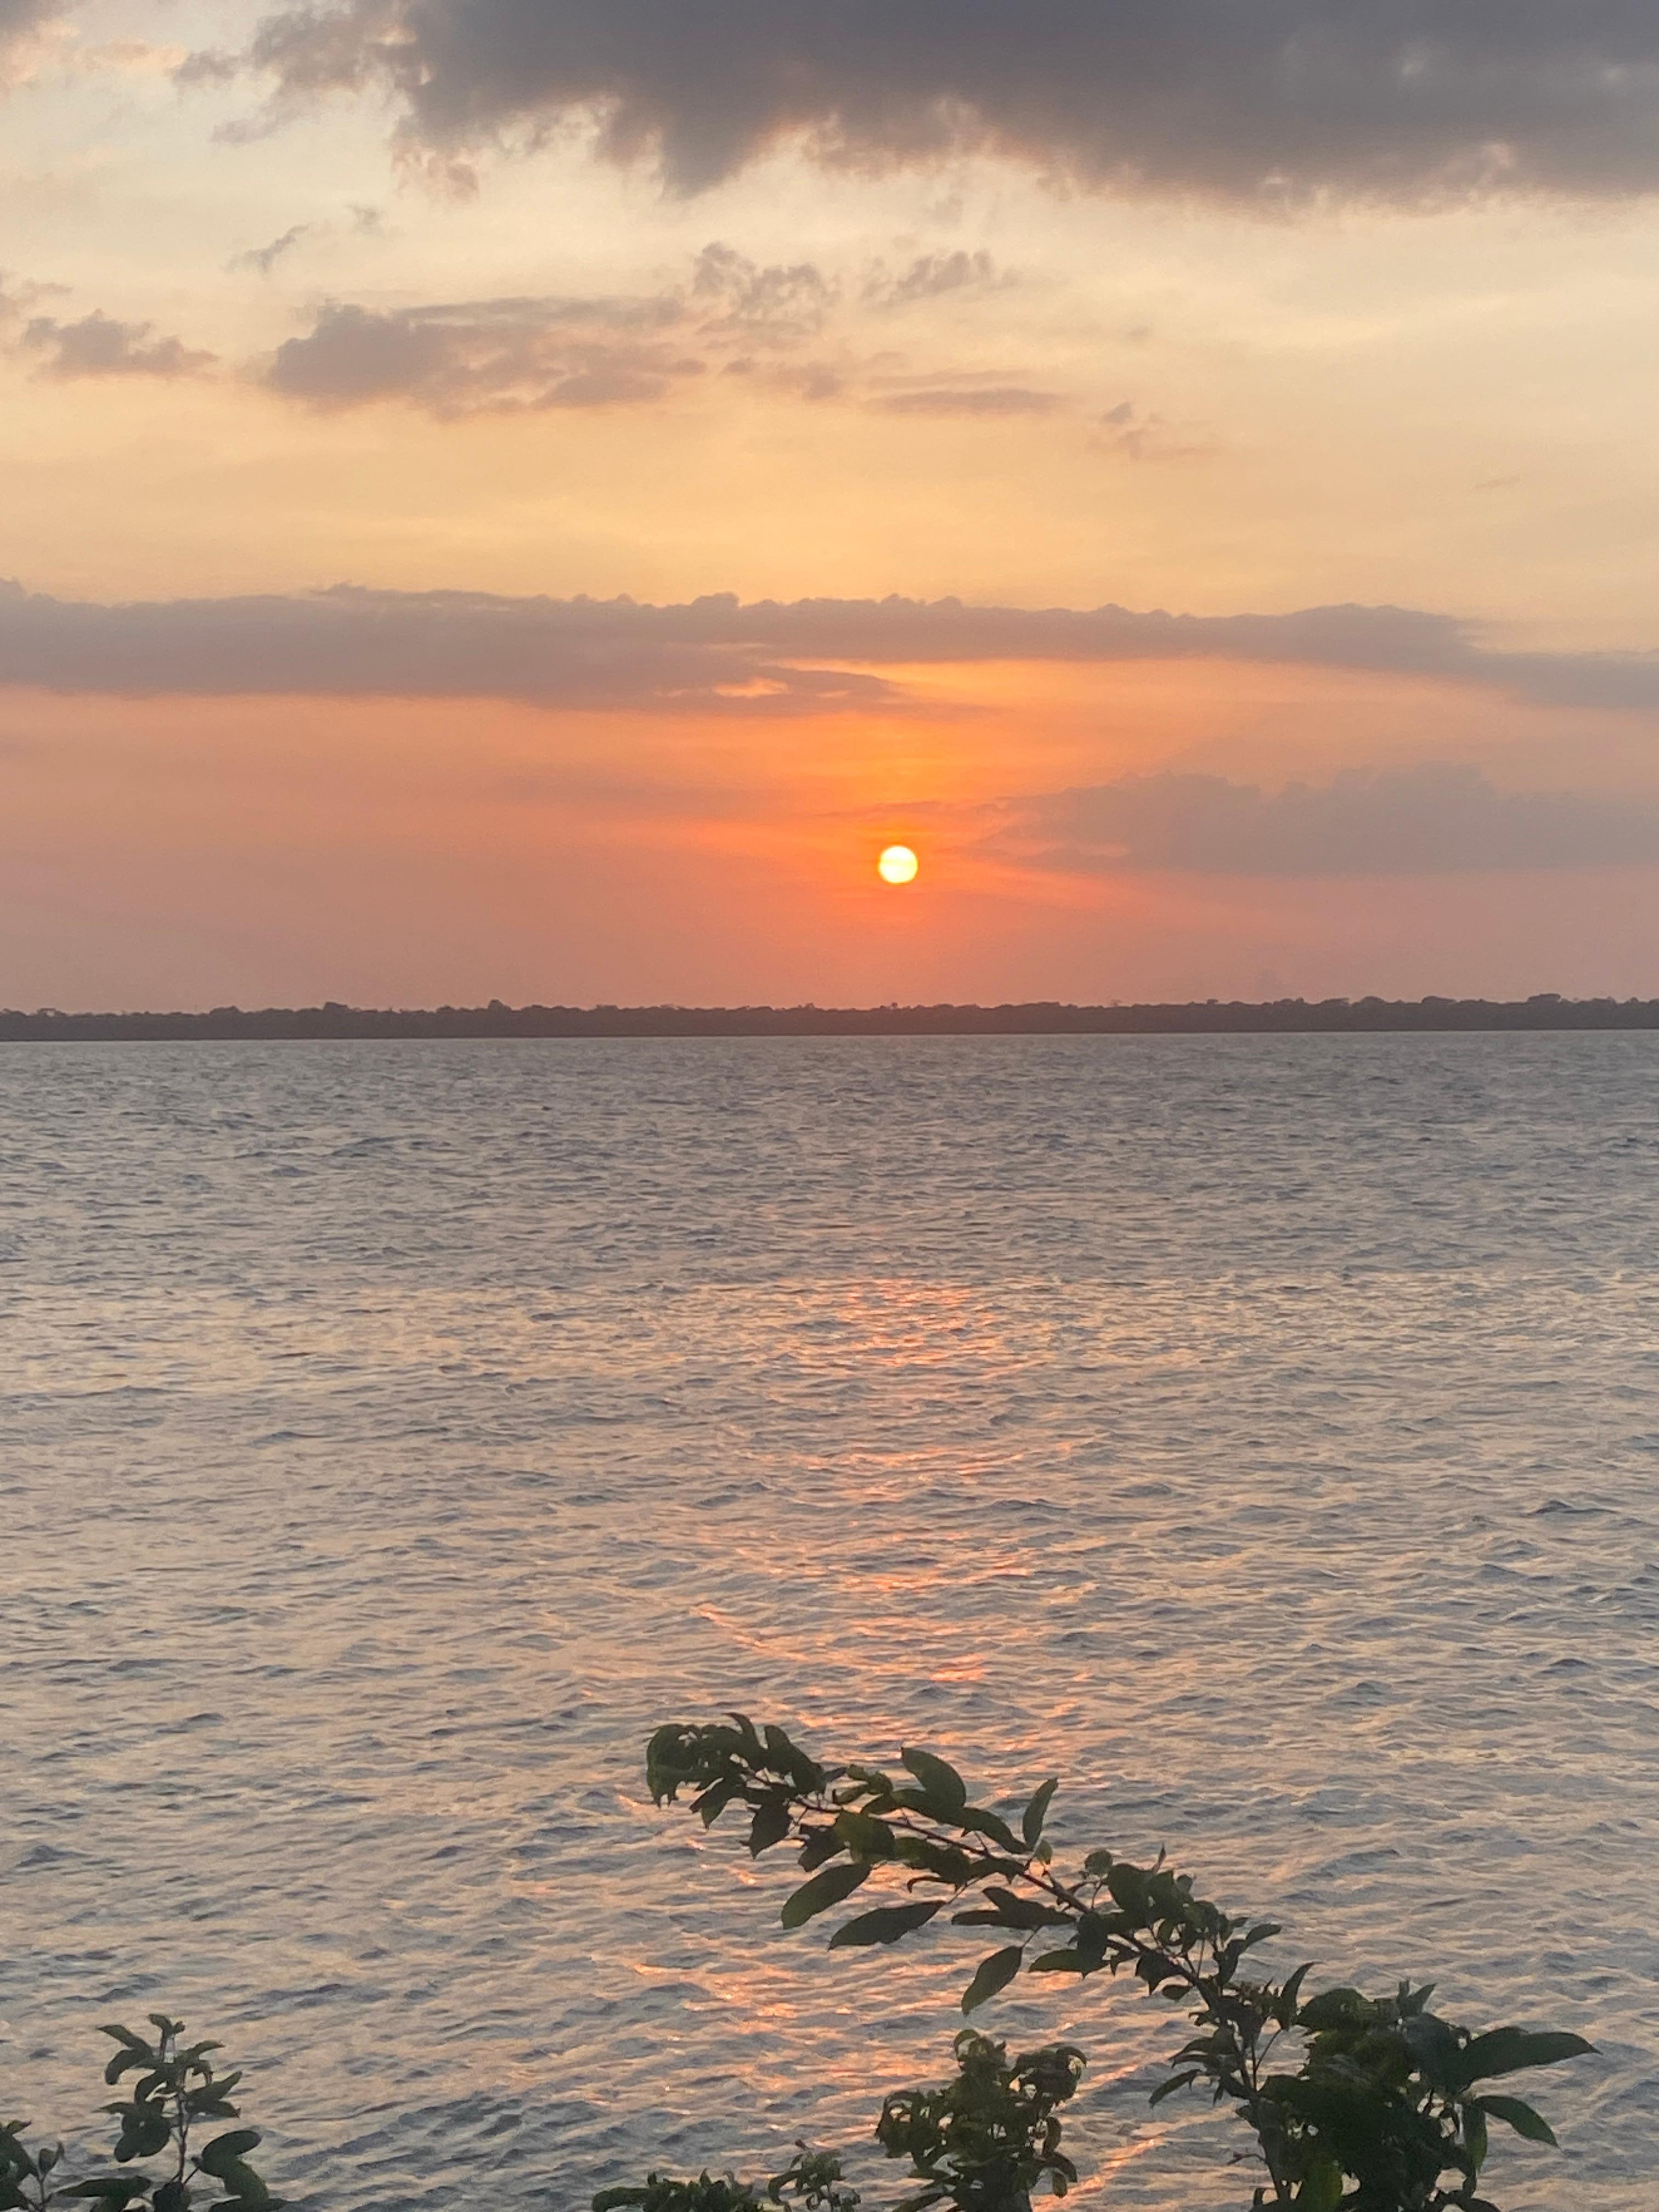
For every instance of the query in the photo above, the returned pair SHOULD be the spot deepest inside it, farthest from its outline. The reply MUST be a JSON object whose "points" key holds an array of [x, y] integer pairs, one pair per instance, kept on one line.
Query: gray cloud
{"points": [[932, 276], [1430, 820], [776, 306], [98, 345], [1275, 100], [486, 356], [1122, 429], [474, 356], [21, 24], [264, 259], [348, 643], [708, 651], [970, 400]]}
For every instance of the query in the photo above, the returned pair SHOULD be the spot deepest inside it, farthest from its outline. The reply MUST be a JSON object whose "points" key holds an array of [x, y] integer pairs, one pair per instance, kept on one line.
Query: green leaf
{"points": [[983, 1823], [995, 1973], [1056, 1962], [1128, 1885], [1522, 2117], [1009, 1911], [1037, 1812], [941, 1782], [861, 1833], [227, 2149], [823, 1890], [769, 1825], [1509, 2049], [886, 1924], [825, 1844], [1434, 2045], [142, 2134], [1168, 2088], [713, 1801], [1285, 2008], [1260, 1933], [1474, 2137], [945, 1863], [1323, 2189], [1343, 2008], [781, 1752]]}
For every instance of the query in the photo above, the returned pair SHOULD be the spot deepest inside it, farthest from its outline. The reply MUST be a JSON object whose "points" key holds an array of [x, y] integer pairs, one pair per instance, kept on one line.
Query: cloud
{"points": [[970, 400], [1435, 819], [1122, 429], [98, 345], [348, 643], [776, 306], [932, 276], [26, 29], [719, 652], [487, 356], [475, 356], [1269, 101], [264, 259]]}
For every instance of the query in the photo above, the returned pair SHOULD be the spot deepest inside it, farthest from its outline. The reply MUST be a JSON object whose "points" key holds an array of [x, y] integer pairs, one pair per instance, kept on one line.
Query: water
{"points": [[1264, 1432]]}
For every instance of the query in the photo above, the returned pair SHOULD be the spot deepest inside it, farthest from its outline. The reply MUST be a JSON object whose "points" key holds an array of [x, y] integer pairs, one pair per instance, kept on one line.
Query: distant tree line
{"points": [[1545, 1010]]}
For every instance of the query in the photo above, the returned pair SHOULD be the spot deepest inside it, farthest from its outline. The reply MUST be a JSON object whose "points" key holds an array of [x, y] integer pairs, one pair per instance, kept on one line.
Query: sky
{"points": [[526, 498]]}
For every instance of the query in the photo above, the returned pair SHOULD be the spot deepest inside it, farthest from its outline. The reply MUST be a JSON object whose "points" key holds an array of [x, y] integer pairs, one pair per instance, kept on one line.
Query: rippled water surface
{"points": [[1263, 1432]]}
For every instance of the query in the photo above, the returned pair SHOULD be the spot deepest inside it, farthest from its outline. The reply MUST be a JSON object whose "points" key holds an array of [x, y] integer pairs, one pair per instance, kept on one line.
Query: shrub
{"points": [[176, 2090], [1355, 2103]]}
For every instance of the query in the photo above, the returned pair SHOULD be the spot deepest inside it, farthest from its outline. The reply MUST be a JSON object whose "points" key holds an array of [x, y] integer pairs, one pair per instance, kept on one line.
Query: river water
{"points": [[1263, 1433]]}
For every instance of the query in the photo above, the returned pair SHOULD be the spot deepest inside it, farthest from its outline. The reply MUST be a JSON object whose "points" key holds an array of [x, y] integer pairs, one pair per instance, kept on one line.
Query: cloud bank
{"points": [[717, 652], [1436, 819], [1278, 99]]}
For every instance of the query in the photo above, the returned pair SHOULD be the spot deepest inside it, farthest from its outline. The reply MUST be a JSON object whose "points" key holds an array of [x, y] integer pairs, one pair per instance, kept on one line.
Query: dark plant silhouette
{"points": [[176, 2090], [1356, 2104]]}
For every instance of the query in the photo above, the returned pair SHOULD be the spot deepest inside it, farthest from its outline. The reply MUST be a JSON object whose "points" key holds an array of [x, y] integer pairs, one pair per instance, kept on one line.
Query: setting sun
{"points": [[897, 865]]}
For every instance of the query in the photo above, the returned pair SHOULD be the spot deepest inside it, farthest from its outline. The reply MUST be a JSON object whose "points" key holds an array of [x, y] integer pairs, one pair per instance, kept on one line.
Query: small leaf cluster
{"points": [[812, 2180], [1389, 2095], [174, 2090], [987, 2138], [982, 2141], [1378, 2112]]}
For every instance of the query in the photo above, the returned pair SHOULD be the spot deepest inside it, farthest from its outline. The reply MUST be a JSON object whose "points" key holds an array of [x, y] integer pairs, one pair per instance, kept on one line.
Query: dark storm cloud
{"points": [[98, 345], [1428, 820], [1277, 98], [768, 657]]}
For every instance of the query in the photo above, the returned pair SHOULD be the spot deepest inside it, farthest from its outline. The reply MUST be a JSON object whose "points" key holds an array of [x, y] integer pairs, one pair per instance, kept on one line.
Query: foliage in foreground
{"points": [[175, 2091], [1355, 2103]]}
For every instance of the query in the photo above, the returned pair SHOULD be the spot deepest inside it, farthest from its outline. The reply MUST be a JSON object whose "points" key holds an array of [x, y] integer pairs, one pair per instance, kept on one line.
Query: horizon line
{"points": [[335, 1019]]}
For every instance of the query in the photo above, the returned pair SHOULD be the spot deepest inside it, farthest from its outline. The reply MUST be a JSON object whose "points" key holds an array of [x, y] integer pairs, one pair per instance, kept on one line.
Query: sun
{"points": [[897, 865]]}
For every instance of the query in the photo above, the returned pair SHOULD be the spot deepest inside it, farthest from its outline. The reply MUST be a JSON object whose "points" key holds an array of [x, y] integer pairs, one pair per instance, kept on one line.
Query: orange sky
{"points": [[821, 353]]}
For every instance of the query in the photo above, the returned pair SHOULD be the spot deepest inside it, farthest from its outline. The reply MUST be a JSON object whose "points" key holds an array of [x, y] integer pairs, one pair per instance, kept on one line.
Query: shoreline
{"points": [[1210, 1018]]}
